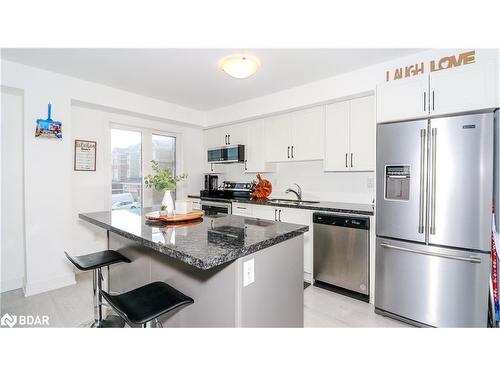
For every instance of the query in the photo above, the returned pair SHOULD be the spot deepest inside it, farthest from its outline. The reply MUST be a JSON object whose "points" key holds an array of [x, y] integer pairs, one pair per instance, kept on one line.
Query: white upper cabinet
{"points": [[296, 136], [362, 134], [308, 128], [255, 148], [278, 137], [467, 88], [225, 136], [337, 137], [444, 92], [350, 135], [236, 134], [403, 99], [215, 137]]}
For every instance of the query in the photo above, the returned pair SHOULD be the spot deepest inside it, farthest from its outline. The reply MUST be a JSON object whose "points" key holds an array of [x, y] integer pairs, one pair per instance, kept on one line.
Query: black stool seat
{"points": [[148, 302], [96, 260]]}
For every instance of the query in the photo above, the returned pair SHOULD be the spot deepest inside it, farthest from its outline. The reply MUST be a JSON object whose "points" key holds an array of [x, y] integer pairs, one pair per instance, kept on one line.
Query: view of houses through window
{"points": [[127, 153], [126, 161]]}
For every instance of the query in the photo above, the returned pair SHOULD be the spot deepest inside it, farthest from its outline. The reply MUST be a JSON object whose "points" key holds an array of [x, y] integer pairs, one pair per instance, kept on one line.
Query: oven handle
{"points": [[215, 204], [465, 259]]}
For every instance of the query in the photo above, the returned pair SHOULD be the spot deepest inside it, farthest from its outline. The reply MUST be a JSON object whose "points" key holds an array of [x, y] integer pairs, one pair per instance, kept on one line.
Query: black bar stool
{"points": [[146, 303], [95, 262]]}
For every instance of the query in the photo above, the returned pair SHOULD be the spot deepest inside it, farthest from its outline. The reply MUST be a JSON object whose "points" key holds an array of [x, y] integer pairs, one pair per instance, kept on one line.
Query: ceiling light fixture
{"points": [[239, 66]]}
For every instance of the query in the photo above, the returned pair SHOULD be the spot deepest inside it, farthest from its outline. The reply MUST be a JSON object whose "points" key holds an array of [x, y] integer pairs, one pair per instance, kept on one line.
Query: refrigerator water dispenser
{"points": [[397, 182]]}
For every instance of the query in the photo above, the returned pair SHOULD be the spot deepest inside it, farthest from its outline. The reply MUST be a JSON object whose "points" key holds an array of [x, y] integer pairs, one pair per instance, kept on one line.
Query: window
{"points": [[163, 150], [132, 150], [126, 164]]}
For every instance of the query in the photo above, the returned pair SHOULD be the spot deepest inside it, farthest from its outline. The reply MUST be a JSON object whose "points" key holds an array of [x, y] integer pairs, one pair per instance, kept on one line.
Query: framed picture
{"points": [[85, 155], [48, 128]]}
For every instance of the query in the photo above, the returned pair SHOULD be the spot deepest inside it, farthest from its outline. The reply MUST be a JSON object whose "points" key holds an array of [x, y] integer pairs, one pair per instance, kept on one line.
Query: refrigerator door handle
{"points": [[471, 259], [433, 184], [422, 181]]}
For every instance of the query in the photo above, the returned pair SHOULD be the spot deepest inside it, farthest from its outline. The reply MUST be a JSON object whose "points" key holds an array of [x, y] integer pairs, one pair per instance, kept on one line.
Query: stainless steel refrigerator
{"points": [[433, 220]]}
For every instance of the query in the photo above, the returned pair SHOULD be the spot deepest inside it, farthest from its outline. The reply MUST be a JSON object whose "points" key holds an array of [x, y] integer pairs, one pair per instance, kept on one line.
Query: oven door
{"points": [[215, 207]]}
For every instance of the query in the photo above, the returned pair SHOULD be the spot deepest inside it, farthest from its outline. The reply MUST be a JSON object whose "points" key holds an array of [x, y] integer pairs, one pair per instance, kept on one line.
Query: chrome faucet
{"points": [[297, 192]]}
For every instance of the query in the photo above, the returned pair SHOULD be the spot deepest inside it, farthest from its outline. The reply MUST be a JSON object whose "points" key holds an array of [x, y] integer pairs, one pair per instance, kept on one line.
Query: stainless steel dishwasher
{"points": [[341, 254]]}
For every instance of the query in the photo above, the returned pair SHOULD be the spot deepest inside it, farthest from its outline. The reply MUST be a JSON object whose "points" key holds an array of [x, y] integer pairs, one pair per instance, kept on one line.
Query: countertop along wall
{"points": [[48, 164]]}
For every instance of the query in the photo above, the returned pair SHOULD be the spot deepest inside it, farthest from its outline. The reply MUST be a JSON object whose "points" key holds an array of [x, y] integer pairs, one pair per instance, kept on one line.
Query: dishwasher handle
{"points": [[342, 221]]}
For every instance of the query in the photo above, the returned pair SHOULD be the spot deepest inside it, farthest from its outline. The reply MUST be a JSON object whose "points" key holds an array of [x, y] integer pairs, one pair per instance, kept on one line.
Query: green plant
{"points": [[162, 179]]}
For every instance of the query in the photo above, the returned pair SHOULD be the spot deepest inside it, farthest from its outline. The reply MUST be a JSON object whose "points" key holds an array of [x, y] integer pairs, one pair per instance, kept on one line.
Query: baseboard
{"points": [[308, 277], [50, 284], [12, 284]]}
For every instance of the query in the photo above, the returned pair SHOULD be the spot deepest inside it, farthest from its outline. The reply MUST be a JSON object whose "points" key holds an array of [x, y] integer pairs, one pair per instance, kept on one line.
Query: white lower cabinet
{"points": [[265, 212], [196, 203], [286, 215], [303, 217], [242, 209]]}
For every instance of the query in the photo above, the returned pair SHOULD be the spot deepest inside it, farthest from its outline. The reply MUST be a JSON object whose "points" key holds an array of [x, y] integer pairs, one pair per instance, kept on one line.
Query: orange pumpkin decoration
{"points": [[263, 189]]}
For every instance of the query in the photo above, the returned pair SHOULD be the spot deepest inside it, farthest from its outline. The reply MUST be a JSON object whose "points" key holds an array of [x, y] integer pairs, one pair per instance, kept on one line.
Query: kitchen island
{"points": [[241, 272]]}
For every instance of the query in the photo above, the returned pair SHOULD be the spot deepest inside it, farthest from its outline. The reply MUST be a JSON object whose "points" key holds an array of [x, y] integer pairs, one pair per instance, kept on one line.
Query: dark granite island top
{"points": [[204, 244]]}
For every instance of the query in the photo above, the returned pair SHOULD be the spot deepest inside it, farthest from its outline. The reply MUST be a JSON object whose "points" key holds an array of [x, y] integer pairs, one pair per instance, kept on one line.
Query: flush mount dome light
{"points": [[239, 66]]}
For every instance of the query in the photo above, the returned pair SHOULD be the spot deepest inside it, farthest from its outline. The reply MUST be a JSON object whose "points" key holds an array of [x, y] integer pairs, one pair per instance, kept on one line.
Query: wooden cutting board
{"points": [[193, 215]]}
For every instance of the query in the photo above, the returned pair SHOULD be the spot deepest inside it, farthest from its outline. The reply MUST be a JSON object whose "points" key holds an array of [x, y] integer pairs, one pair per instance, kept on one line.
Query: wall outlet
{"points": [[248, 272]]}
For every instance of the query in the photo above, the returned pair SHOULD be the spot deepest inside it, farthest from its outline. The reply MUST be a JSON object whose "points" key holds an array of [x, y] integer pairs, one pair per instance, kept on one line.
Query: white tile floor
{"points": [[72, 306]]}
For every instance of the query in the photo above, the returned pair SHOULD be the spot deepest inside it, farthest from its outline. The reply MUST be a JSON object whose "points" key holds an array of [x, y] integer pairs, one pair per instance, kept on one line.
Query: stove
{"points": [[229, 190]]}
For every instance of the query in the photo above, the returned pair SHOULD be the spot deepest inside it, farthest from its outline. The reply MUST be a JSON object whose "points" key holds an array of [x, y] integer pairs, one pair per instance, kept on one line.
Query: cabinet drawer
{"points": [[242, 209]]}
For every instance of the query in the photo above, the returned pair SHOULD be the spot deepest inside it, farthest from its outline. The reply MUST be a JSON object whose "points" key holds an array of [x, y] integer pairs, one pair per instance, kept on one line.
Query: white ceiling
{"points": [[192, 78]]}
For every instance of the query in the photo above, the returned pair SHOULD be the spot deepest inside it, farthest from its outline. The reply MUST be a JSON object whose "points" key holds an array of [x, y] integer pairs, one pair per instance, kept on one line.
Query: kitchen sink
{"points": [[292, 201]]}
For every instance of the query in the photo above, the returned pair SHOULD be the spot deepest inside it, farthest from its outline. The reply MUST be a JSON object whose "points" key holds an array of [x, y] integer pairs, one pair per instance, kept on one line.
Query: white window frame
{"points": [[146, 154]]}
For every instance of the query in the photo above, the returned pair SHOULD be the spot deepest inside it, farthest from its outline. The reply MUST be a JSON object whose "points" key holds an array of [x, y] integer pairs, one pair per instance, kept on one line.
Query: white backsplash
{"points": [[352, 187]]}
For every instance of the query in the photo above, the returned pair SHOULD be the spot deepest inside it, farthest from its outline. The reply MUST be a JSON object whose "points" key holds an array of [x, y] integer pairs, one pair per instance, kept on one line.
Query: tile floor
{"points": [[72, 306]]}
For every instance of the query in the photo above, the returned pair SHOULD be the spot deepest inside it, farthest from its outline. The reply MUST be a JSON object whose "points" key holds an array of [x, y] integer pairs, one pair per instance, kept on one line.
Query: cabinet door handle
{"points": [[279, 215], [229, 139], [211, 167], [275, 214], [225, 139], [288, 152], [246, 165], [433, 100], [425, 97], [346, 160], [351, 160], [241, 208], [292, 153]]}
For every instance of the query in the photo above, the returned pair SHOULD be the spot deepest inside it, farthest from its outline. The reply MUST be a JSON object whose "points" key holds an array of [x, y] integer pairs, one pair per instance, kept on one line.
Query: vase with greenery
{"points": [[163, 181]]}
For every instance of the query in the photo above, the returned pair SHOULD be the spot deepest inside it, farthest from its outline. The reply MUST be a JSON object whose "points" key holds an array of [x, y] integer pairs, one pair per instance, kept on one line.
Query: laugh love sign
{"points": [[442, 63]]}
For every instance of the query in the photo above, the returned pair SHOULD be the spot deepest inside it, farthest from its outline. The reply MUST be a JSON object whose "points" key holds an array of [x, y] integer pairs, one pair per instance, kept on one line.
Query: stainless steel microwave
{"points": [[226, 154]]}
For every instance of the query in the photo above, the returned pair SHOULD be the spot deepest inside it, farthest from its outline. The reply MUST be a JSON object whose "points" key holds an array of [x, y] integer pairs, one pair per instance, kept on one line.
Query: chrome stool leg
{"points": [[111, 321], [155, 323]]}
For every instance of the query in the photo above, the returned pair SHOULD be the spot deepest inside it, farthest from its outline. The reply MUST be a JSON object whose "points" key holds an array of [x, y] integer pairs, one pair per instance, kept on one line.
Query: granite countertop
{"points": [[349, 208], [204, 244]]}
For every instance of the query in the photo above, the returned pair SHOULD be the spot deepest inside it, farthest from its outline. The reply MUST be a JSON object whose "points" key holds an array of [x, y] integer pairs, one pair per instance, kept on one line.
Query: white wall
{"points": [[48, 164], [91, 191], [12, 238]]}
